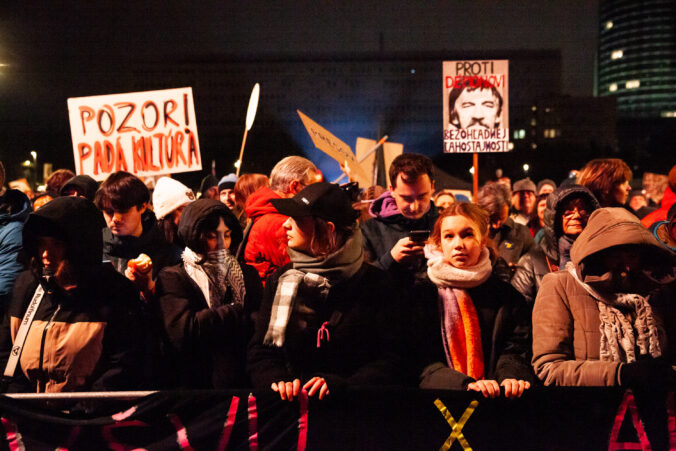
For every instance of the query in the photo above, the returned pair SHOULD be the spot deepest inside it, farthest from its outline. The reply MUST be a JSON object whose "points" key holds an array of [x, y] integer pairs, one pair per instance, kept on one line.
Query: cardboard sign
{"points": [[145, 133], [390, 152], [476, 106], [325, 141]]}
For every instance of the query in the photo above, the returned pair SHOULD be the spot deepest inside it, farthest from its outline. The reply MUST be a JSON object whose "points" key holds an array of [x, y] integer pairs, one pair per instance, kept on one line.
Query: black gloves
{"points": [[646, 372]]}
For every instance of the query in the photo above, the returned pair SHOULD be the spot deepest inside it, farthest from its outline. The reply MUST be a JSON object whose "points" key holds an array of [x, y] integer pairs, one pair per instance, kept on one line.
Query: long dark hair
{"points": [[326, 241], [169, 229], [209, 224]]}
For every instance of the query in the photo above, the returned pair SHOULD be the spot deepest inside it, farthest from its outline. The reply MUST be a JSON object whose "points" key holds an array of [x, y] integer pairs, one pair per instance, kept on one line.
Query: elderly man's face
{"points": [[477, 109]]}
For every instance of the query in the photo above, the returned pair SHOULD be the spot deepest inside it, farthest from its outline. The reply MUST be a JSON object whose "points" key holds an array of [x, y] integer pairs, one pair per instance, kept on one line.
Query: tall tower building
{"points": [[637, 57]]}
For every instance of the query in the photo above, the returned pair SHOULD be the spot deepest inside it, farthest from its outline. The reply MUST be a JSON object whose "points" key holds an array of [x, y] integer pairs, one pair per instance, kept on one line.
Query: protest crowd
{"points": [[284, 282]]}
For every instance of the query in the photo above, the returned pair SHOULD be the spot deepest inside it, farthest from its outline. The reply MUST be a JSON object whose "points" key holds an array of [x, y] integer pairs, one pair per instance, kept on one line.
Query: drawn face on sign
{"points": [[476, 108]]}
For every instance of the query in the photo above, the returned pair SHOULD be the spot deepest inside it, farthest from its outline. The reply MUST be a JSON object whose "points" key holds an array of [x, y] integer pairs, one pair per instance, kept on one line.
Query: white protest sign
{"points": [[145, 133], [476, 106]]}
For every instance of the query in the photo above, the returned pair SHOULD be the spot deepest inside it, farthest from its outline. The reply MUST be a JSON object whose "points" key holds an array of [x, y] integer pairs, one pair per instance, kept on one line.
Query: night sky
{"points": [[41, 43]]}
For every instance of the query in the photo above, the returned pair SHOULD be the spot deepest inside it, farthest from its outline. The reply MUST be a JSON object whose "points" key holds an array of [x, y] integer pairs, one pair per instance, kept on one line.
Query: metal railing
{"points": [[82, 395]]}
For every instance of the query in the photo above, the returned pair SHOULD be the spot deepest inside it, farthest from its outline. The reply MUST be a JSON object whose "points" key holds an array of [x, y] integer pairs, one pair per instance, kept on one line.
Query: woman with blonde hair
{"points": [[471, 330]]}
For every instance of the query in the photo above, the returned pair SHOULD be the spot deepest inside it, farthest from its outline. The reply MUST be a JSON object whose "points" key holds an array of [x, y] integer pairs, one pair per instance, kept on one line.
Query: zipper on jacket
{"points": [[42, 346]]}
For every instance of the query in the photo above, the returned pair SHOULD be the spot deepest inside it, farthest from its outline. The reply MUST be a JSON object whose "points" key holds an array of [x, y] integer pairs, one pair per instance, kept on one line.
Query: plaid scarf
{"points": [[214, 275], [310, 278]]}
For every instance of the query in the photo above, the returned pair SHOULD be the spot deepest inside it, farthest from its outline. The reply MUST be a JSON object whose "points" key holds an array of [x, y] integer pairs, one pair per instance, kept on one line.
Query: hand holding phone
{"points": [[419, 235]]}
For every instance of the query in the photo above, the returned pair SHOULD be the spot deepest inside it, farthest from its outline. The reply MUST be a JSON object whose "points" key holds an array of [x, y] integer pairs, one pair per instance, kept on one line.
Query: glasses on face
{"points": [[581, 211]]}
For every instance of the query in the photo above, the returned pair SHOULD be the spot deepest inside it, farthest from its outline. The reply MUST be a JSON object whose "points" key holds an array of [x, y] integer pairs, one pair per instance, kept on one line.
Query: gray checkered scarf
{"points": [[314, 277], [627, 321]]}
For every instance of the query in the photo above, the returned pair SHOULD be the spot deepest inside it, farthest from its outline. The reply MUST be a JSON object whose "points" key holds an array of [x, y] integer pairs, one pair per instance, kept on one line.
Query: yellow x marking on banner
{"points": [[456, 426]]}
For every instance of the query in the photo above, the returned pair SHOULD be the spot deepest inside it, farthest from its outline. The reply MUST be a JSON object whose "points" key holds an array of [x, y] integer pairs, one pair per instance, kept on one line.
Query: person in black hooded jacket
{"points": [[132, 230], [206, 302], [86, 330], [80, 185], [566, 214]]}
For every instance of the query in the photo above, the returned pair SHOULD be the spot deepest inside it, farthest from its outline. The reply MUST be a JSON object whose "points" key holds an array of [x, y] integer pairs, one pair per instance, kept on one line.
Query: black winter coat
{"points": [[533, 266], [512, 240], [206, 346], [363, 317], [381, 234], [120, 249], [504, 321]]}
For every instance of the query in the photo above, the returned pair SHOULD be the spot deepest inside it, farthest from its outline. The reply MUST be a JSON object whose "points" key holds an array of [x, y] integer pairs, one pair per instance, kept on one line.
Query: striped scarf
{"points": [[461, 332], [460, 329]]}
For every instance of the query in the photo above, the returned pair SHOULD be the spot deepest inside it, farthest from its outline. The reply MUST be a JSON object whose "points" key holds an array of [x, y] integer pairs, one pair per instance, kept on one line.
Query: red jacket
{"points": [[660, 214], [266, 248]]}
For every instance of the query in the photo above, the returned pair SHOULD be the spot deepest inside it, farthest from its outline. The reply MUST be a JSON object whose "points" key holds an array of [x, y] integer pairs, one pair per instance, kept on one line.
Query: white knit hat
{"points": [[169, 194]]}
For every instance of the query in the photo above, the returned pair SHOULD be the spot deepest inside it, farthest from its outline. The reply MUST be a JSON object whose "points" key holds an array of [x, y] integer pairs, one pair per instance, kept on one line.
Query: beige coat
{"points": [[566, 334]]}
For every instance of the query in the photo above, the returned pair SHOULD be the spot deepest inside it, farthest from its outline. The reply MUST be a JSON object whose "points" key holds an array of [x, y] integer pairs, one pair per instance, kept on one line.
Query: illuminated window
{"points": [[609, 25], [534, 108], [617, 54], [552, 133], [533, 122], [510, 146], [632, 84], [519, 134], [668, 114], [533, 146], [612, 87]]}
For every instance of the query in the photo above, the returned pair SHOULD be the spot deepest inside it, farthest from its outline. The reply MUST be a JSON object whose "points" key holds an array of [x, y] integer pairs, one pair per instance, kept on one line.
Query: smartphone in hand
{"points": [[419, 236]]}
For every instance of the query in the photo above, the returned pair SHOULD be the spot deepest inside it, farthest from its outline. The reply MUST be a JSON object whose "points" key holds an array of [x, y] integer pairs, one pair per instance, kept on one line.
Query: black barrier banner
{"points": [[555, 418]]}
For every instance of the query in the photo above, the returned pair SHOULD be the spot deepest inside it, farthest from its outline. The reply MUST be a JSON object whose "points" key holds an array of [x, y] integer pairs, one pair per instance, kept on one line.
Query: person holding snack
{"points": [[132, 230]]}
